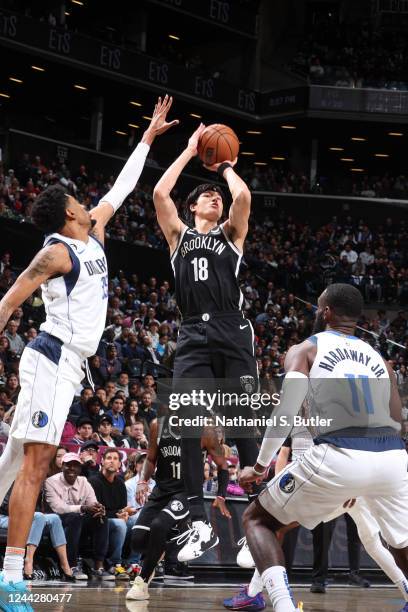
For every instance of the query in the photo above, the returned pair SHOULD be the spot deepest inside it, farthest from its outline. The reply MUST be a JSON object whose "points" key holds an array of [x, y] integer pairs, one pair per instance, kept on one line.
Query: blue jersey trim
{"points": [[336, 333], [98, 241], [312, 339], [47, 345], [71, 277], [373, 445]]}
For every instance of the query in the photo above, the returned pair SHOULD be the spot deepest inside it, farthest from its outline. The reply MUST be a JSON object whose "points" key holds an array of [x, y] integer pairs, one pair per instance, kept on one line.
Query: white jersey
{"points": [[349, 384], [76, 303]]}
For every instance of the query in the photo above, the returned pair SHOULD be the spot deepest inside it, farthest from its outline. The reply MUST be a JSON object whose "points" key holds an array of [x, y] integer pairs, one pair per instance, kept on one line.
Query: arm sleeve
{"points": [[294, 391], [127, 179], [223, 478]]}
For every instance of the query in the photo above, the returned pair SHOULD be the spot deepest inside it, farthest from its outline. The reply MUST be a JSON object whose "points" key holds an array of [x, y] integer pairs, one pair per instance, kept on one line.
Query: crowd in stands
{"points": [[353, 55]]}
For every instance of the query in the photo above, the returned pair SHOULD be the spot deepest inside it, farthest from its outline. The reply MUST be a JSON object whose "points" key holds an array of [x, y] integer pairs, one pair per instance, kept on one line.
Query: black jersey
{"points": [[168, 468], [206, 270]]}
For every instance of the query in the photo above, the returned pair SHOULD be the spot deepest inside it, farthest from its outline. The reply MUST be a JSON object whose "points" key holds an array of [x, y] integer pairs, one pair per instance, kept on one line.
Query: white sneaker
{"points": [[244, 557], [139, 590], [79, 573], [199, 538]]}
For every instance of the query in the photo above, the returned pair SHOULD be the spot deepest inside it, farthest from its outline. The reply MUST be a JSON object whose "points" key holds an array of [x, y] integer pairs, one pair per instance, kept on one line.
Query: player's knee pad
{"points": [[139, 539]]}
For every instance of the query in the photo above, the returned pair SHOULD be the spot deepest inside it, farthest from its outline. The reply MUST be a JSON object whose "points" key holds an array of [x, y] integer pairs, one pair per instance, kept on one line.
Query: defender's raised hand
{"points": [[159, 124]]}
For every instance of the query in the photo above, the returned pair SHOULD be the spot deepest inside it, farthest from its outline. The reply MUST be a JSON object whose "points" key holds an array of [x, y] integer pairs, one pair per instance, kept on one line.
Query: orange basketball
{"points": [[218, 143]]}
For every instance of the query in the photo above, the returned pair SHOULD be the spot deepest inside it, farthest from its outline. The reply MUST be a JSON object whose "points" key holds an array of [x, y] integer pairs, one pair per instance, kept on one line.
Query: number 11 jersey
{"points": [[206, 268]]}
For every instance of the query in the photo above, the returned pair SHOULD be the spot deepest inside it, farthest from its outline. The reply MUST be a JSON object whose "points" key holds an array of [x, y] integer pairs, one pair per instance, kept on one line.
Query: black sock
{"points": [[192, 468], [196, 506], [159, 530]]}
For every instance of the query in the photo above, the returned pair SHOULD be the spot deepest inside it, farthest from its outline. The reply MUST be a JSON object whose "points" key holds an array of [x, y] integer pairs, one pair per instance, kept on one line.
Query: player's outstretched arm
{"points": [[129, 176], [167, 216], [149, 465], [237, 224], [50, 261]]}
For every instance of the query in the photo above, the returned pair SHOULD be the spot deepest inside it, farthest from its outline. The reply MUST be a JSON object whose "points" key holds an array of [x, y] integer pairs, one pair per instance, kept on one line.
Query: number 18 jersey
{"points": [[206, 268]]}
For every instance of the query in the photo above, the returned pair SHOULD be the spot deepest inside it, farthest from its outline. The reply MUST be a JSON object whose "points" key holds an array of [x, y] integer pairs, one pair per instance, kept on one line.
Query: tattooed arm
{"points": [[51, 261]]}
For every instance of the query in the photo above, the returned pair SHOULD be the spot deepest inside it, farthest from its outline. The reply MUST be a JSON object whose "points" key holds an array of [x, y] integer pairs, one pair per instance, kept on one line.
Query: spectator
{"points": [[57, 535], [137, 438], [17, 344], [4, 427], [98, 376], [110, 389], [78, 408], [84, 431], [3, 377], [116, 409], [146, 409], [131, 414], [122, 383], [12, 387], [111, 493], [105, 436], [111, 366], [89, 457], [5, 353], [71, 497], [233, 486], [349, 253], [56, 463], [101, 393], [93, 411]]}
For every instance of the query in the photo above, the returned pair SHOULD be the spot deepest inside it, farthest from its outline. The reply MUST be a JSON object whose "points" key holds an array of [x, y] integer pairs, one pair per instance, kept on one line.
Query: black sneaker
{"points": [[178, 572], [356, 580], [318, 587]]}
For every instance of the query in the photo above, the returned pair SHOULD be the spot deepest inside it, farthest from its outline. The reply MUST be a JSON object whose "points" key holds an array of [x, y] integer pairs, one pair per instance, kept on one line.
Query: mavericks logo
{"points": [[39, 419], [176, 506], [287, 483], [247, 383]]}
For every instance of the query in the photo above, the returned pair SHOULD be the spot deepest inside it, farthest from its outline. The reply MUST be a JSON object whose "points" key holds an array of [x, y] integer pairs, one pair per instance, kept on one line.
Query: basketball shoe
{"points": [[198, 538]]}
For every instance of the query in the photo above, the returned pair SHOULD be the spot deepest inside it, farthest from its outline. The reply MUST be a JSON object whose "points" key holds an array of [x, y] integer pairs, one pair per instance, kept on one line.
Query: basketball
{"points": [[218, 143]]}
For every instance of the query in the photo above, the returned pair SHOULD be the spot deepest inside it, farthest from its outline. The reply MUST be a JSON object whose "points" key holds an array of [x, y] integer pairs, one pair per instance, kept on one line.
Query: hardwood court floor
{"points": [[208, 598]]}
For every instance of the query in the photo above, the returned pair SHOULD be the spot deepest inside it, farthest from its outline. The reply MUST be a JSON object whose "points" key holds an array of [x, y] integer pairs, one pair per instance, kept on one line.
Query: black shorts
{"points": [[174, 504], [221, 348]]}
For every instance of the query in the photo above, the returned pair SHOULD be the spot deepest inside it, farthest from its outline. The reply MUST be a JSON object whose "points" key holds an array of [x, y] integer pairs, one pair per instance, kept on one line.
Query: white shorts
{"points": [[314, 488], [49, 375]]}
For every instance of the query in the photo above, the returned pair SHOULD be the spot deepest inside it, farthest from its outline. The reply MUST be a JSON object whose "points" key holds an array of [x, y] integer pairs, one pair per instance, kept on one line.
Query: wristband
{"points": [[259, 473], [142, 482], [221, 169]]}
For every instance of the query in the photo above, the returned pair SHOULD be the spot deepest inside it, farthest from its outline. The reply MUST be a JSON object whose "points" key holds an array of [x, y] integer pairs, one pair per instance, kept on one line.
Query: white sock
{"points": [[403, 587], [13, 564], [276, 583], [256, 584]]}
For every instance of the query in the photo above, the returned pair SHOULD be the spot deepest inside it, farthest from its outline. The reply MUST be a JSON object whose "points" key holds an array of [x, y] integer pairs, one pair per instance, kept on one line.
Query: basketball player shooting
{"points": [[215, 339], [72, 271], [365, 458]]}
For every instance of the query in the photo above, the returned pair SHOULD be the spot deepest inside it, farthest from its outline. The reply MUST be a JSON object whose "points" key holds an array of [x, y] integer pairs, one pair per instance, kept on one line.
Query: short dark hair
{"points": [[345, 300], [48, 211], [112, 450], [193, 197]]}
